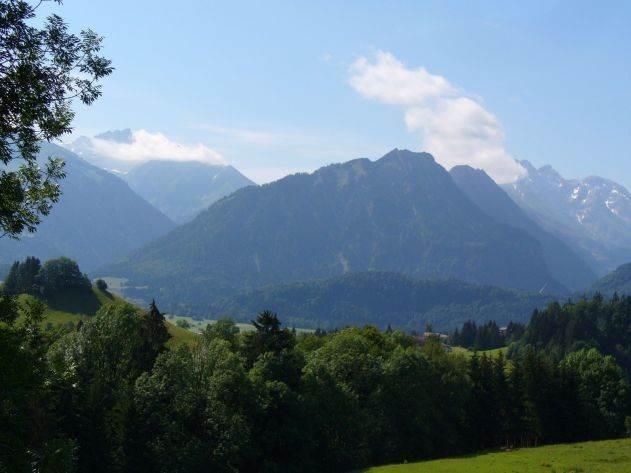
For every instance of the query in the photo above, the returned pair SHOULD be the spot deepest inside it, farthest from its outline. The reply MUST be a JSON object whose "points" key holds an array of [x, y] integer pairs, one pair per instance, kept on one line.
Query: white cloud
{"points": [[146, 146], [389, 81], [455, 128]]}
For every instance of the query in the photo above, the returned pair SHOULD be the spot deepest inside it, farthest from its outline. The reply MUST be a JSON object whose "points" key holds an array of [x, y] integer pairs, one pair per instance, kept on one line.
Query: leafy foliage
{"points": [[101, 285], [114, 398], [61, 274], [42, 70]]}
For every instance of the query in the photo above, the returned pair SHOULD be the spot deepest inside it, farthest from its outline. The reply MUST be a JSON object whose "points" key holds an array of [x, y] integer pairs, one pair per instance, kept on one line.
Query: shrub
{"points": [[101, 285]]}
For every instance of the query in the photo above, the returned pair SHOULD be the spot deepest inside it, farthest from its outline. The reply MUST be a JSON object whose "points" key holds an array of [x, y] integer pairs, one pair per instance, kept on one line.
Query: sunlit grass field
{"points": [[610, 456]]}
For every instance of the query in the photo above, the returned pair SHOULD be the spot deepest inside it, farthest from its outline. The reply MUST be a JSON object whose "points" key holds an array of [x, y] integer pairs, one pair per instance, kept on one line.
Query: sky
{"points": [[277, 87]]}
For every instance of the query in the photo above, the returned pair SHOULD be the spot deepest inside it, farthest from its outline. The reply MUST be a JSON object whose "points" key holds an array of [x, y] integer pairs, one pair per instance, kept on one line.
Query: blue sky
{"points": [[275, 87]]}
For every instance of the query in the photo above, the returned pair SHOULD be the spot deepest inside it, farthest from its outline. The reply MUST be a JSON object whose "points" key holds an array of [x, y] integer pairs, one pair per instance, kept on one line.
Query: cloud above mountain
{"points": [[455, 128], [145, 146]]}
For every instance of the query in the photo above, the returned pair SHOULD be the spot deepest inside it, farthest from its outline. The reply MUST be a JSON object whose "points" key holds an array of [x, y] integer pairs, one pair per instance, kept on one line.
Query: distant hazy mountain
{"points": [[564, 263], [401, 213], [84, 148], [183, 189], [593, 213], [382, 299], [617, 281], [180, 189], [97, 220]]}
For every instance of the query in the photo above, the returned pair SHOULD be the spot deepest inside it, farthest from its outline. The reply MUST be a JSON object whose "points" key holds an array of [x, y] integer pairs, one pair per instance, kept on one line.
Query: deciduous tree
{"points": [[44, 70]]}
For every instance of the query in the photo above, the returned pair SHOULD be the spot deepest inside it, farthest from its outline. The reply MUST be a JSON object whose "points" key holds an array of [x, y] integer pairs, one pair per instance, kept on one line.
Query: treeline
{"points": [[600, 323], [486, 336], [53, 277], [111, 397], [366, 298]]}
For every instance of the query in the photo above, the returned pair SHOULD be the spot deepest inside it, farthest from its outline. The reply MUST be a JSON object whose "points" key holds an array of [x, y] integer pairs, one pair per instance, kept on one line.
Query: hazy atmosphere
{"points": [[306, 237]]}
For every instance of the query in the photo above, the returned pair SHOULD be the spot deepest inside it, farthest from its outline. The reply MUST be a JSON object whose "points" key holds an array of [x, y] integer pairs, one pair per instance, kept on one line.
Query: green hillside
{"points": [[72, 309], [611, 456], [180, 335]]}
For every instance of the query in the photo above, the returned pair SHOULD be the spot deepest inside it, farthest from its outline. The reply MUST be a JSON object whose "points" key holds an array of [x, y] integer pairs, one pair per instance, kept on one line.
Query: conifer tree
{"points": [[268, 337], [22, 277], [10, 285], [155, 334]]}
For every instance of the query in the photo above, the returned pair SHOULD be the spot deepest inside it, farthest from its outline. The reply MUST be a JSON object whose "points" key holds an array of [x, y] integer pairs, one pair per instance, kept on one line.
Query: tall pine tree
{"points": [[155, 334]]}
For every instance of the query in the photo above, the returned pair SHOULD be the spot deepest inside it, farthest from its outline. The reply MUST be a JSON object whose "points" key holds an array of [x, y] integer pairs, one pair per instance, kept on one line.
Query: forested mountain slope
{"points": [[401, 213], [382, 299], [563, 261]]}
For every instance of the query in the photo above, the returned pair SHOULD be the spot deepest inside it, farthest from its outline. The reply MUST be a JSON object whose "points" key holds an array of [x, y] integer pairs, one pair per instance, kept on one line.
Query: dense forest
{"points": [[109, 395], [377, 298], [486, 336]]}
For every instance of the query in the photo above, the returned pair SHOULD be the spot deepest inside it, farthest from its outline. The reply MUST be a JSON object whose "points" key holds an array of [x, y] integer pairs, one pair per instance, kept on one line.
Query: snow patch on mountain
{"points": [[595, 212]]}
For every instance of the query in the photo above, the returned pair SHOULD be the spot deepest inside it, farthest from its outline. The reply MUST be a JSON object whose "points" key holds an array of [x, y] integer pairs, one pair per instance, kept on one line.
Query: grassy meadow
{"points": [[609, 456]]}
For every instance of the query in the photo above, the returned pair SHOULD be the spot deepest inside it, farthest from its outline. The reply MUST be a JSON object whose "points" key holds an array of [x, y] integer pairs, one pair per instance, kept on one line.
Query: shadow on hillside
{"points": [[75, 301]]}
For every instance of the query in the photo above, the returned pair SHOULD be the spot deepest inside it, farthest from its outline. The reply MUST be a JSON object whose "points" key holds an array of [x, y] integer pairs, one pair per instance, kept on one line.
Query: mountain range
{"points": [[562, 259], [84, 147], [593, 214], [98, 218], [331, 247], [181, 190], [402, 213]]}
